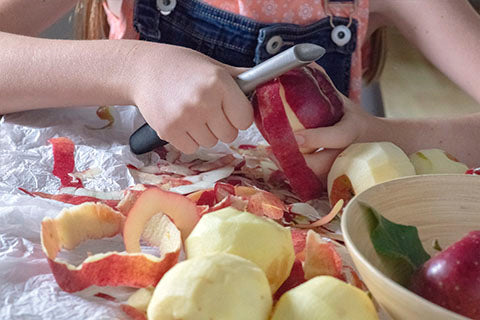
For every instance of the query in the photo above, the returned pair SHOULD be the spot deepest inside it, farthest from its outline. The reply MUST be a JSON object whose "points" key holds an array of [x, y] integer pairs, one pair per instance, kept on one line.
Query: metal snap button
{"points": [[341, 35], [166, 6], [274, 44]]}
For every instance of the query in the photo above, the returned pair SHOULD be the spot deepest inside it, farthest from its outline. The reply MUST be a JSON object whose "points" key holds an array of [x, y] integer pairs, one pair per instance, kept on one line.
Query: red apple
{"points": [[300, 99], [451, 279]]}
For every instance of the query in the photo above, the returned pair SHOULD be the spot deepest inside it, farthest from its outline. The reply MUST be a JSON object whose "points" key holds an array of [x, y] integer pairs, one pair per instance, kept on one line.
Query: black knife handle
{"points": [[145, 139]]}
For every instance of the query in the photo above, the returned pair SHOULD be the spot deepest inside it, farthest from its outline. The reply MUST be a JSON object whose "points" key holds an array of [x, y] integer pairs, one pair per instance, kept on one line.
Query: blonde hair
{"points": [[91, 23], [378, 54], [91, 20]]}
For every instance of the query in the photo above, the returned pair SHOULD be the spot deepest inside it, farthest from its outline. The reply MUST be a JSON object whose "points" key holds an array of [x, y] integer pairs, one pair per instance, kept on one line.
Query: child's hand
{"points": [[189, 99], [354, 126]]}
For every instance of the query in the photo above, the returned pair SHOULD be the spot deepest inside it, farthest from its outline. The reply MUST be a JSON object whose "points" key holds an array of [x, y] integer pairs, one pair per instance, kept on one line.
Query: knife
{"points": [[145, 139]]}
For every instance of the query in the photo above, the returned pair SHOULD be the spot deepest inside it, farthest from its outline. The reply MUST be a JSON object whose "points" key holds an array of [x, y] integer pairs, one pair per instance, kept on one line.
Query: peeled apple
{"points": [[324, 298], [363, 165], [219, 286], [260, 240], [436, 161], [303, 98]]}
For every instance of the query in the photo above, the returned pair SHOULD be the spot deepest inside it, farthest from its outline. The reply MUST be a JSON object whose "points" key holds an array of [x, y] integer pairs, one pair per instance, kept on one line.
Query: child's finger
{"points": [[184, 143], [321, 162], [338, 136], [236, 107], [222, 128], [203, 136]]}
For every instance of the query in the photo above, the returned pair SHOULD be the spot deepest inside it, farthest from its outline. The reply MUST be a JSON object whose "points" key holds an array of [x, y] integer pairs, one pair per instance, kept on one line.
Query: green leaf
{"points": [[395, 240]]}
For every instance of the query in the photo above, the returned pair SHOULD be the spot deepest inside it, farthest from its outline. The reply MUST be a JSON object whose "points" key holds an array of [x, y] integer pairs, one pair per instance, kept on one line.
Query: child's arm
{"points": [[31, 17], [458, 136], [188, 98], [447, 32]]}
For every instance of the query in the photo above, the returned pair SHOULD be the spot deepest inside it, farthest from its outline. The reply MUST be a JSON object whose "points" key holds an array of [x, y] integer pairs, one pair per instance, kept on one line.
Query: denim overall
{"points": [[240, 41]]}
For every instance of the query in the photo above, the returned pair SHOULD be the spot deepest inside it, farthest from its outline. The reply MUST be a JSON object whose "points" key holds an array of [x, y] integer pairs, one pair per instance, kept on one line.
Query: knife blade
{"points": [[145, 139]]}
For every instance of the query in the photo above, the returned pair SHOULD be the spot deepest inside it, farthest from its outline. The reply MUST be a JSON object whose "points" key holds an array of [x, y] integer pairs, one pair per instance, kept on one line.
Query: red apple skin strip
{"points": [[109, 269], [299, 237], [321, 258], [133, 313], [64, 161], [311, 97], [180, 209], [207, 198], [296, 278], [115, 269], [269, 109], [71, 199], [266, 204]]}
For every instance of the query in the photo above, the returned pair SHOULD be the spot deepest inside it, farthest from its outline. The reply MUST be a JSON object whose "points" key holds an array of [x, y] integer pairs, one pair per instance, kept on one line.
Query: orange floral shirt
{"points": [[272, 11]]}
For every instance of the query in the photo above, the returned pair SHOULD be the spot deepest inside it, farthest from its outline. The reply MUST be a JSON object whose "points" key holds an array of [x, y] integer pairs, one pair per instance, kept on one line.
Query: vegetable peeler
{"points": [[145, 139]]}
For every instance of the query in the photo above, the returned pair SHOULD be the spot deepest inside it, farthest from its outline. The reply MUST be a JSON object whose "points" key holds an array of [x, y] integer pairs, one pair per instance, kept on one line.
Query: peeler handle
{"points": [[144, 140]]}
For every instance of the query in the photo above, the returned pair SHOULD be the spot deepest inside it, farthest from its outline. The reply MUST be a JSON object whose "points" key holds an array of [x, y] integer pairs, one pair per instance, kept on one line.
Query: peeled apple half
{"points": [[300, 99], [219, 286], [363, 165]]}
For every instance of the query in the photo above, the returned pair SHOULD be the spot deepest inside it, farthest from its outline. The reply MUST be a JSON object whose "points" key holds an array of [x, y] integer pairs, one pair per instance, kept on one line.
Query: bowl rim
{"points": [[377, 273]]}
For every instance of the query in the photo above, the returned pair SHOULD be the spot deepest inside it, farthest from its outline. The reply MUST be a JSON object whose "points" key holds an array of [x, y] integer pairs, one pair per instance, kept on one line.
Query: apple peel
{"points": [[95, 221], [324, 220], [182, 211], [303, 98], [321, 258]]}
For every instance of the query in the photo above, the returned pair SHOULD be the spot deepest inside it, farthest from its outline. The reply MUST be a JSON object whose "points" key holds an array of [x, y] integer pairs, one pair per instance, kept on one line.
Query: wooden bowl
{"points": [[443, 207]]}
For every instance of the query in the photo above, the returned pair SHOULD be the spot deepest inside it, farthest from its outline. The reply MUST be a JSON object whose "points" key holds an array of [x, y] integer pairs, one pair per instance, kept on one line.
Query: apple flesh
{"points": [[435, 161], [363, 165], [140, 299], [152, 201], [300, 99], [324, 297], [258, 239], [451, 279], [219, 286]]}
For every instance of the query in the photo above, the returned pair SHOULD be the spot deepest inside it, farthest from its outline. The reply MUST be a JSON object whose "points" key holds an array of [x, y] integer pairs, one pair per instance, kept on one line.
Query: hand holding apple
{"points": [[356, 125], [299, 99]]}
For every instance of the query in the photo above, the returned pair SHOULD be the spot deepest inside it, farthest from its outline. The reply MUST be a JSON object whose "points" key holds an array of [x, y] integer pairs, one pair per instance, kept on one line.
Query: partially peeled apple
{"points": [[303, 98], [363, 165]]}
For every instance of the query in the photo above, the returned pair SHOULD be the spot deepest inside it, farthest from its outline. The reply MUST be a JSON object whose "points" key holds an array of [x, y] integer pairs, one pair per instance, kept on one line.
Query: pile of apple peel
{"points": [[96, 221], [164, 220]]}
